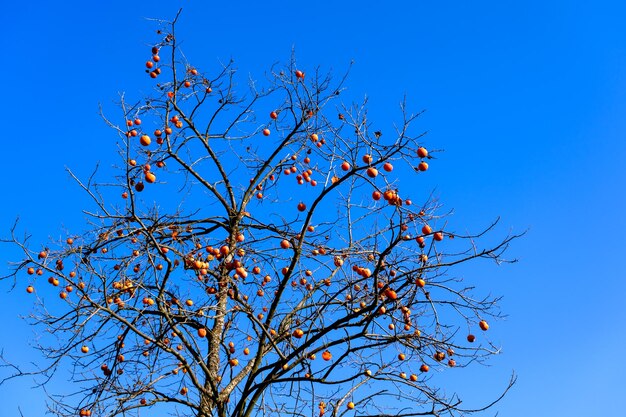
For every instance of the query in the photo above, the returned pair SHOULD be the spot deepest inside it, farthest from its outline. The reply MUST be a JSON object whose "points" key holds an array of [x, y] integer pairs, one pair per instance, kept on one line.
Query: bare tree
{"points": [[260, 260]]}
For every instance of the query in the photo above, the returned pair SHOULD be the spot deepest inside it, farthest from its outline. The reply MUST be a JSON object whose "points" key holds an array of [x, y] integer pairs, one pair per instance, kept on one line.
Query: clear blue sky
{"points": [[528, 99]]}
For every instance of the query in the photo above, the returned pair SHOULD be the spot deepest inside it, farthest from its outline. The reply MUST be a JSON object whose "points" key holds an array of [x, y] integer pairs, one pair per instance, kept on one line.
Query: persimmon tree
{"points": [[257, 254]]}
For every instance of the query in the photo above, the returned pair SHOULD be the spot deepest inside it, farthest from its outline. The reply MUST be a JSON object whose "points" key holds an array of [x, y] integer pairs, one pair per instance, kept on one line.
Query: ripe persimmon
{"points": [[423, 166], [372, 172], [422, 152], [484, 326], [326, 355], [391, 294], [150, 177], [266, 132]]}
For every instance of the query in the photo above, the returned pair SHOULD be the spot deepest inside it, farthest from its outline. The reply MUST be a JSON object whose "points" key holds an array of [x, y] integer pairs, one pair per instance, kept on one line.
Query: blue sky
{"points": [[527, 99]]}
